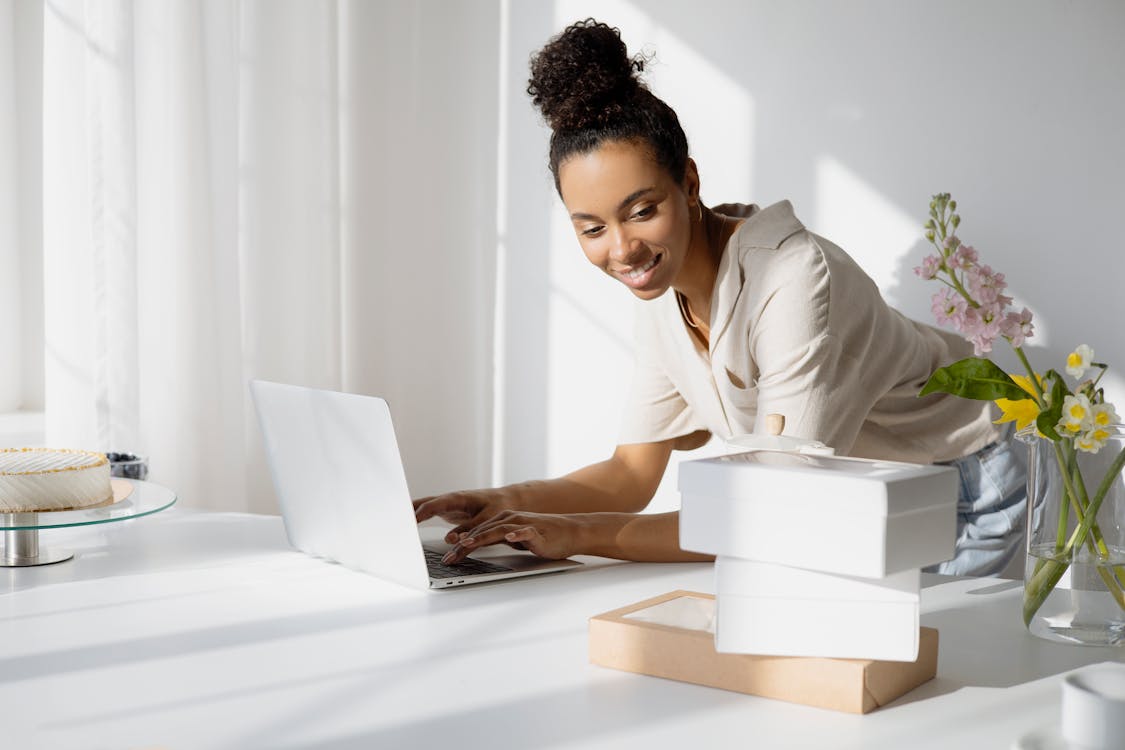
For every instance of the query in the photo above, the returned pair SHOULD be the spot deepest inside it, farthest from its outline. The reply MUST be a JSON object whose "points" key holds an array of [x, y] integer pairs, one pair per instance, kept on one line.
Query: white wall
{"points": [[419, 190], [857, 112], [21, 282], [21, 206]]}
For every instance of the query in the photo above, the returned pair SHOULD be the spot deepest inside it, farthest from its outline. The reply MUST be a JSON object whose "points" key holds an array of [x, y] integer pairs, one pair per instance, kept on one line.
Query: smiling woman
{"points": [[763, 317]]}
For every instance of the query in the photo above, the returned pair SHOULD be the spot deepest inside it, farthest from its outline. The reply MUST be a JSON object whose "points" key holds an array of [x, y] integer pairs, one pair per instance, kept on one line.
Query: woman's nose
{"points": [[622, 247]]}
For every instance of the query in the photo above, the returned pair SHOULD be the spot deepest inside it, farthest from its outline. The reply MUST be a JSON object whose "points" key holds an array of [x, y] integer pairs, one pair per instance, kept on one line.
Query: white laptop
{"points": [[342, 490]]}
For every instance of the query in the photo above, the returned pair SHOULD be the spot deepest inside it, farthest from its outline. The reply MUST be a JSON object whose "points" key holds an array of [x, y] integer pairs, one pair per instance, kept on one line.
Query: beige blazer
{"points": [[797, 328]]}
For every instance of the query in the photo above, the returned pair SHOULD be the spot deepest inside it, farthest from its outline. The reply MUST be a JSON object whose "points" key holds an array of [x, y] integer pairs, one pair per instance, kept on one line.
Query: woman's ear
{"points": [[691, 182]]}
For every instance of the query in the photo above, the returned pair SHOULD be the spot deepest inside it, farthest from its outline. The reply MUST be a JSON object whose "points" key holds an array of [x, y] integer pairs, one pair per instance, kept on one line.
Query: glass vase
{"points": [[1074, 580]]}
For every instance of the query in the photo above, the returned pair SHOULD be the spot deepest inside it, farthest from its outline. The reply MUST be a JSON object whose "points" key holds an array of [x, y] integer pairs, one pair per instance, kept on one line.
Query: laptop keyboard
{"points": [[466, 567]]}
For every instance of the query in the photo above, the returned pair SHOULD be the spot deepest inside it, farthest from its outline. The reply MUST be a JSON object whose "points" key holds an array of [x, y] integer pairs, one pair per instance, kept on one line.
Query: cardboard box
{"points": [[842, 515], [777, 610], [661, 637]]}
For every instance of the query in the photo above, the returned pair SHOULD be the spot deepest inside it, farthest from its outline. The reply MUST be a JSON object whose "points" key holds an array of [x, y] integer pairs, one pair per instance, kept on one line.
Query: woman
{"points": [[748, 314]]}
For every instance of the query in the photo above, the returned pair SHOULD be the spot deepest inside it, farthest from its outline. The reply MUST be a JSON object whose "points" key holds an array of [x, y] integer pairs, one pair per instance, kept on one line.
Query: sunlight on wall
{"points": [[887, 243], [872, 229], [591, 315], [717, 115]]}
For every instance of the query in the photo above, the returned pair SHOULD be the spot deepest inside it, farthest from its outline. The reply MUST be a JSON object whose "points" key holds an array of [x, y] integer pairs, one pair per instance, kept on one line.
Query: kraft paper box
{"points": [[668, 636], [764, 608], [850, 516]]}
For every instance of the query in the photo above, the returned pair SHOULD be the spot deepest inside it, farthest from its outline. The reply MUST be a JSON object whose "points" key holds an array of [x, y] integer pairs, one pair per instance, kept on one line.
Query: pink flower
{"points": [[931, 264], [986, 286], [1017, 327], [964, 258], [986, 323], [949, 308]]}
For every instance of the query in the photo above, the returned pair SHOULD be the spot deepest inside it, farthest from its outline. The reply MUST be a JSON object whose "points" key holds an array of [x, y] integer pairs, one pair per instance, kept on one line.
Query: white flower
{"points": [[1087, 444], [1104, 415], [1078, 361], [1092, 441], [1077, 415]]}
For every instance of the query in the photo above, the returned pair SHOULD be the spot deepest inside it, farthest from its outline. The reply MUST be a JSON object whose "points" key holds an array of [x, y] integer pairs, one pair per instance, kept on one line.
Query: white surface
{"points": [[192, 630], [782, 611], [858, 517], [1093, 708]]}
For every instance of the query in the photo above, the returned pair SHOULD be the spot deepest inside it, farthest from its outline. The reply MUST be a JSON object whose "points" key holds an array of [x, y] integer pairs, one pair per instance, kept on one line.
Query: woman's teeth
{"points": [[636, 273]]}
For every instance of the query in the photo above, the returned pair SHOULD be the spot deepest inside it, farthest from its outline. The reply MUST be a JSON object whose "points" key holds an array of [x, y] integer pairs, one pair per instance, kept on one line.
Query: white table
{"points": [[204, 630]]}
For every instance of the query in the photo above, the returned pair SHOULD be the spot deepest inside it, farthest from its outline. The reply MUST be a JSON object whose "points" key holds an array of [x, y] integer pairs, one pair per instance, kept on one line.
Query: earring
{"points": [[700, 207]]}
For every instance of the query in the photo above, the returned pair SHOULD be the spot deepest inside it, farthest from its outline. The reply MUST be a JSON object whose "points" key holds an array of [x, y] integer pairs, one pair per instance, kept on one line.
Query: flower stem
{"points": [[1049, 571]]}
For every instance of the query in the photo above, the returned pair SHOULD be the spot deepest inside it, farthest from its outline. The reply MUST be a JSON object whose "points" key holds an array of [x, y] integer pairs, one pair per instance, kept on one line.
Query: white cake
{"points": [[40, 479]]}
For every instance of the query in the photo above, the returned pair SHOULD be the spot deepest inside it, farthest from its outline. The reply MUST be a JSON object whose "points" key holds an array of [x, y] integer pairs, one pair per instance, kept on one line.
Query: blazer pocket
{"points": [[743, 398]]}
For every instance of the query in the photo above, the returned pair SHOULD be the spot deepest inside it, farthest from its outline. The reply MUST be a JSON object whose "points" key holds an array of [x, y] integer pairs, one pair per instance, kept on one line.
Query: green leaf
{"points": [[974, 378], [1050, 416]]}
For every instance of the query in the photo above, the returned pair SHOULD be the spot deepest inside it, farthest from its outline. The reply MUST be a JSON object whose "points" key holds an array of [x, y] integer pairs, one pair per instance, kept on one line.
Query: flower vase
{"points": [[1074, 581]]}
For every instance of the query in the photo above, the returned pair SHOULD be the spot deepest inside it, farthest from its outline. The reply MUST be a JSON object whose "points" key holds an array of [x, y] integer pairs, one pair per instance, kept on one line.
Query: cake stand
{"points": [[132, 499]]}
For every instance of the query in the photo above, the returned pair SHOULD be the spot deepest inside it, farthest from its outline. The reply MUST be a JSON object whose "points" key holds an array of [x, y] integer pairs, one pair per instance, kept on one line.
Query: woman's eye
{"points": [[644, 212], [591, 231]]}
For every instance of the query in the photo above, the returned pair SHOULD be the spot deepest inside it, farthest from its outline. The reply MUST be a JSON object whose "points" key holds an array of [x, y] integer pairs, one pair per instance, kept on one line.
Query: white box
{"points": [[776, 610], [850, 516]]}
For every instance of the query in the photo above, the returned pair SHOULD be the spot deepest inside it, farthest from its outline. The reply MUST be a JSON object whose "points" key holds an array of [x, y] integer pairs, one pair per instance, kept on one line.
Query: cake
{"points": [[40, 479]]}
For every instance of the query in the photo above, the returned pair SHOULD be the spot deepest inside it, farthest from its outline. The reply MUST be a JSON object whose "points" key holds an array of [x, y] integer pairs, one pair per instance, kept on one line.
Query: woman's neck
{"points": [[696, 280]]}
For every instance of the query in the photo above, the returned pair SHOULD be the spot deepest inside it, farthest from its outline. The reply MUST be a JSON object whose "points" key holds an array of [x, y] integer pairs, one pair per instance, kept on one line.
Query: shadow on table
{"points": [[577, 717], [173, 540], [382, 603], [987, 645]]}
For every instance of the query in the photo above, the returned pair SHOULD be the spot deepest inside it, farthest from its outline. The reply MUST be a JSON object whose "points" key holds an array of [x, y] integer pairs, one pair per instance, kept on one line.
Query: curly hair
{"points": [[589, 92]]}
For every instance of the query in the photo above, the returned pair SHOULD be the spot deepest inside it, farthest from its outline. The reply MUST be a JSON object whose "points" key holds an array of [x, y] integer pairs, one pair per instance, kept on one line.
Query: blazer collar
{"points": [[765, 229]]}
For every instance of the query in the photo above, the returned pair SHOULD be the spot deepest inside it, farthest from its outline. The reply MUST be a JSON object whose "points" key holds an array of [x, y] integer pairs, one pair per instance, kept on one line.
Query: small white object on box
{"points": [[849, 516], [776, 610]]}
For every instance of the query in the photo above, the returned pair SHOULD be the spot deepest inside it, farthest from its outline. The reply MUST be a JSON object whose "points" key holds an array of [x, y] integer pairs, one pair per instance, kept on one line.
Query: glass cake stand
{"points": [[21, 530]]}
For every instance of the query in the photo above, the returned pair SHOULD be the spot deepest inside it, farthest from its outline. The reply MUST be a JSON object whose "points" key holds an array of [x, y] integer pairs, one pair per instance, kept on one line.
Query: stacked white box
{"points": [[782, 611], [818, 555], [850, 516]]}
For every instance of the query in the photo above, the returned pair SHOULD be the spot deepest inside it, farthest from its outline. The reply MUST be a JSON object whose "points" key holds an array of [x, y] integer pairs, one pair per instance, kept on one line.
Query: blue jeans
{"points": [[991, 509]]}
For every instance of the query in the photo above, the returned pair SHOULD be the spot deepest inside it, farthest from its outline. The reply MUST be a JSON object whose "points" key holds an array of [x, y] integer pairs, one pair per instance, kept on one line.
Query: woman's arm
{"points": [[623, 483], [625, 536]]}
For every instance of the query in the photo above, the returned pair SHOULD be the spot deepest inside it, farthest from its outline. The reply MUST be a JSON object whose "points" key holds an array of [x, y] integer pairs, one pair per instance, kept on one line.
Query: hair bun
{"points": [[584, 76]]}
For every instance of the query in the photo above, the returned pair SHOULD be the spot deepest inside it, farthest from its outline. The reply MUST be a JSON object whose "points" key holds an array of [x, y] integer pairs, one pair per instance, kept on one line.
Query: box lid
{"points": [[847, 484]]}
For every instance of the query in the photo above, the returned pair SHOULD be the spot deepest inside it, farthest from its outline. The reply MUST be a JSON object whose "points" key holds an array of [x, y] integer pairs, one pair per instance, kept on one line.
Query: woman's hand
{"points": [[467, 509], [549, 535]]}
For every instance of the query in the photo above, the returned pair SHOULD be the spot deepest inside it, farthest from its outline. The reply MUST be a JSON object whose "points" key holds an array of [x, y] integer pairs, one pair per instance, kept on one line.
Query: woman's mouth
{"points": [[638, 276]]}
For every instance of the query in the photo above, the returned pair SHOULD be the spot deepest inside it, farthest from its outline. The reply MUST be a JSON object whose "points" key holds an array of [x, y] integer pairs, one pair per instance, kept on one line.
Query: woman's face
{"points": [[632, 219]]}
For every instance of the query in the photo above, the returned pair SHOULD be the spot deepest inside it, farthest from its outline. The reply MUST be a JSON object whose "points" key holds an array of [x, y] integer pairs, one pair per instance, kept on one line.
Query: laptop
{"points": [[339, 479]]}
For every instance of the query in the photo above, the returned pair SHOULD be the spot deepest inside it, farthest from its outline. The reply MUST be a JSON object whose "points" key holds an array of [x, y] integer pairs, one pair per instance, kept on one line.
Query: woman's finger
{"points": [[482, 536], [532, 539], [450, 507], [455, 534]]}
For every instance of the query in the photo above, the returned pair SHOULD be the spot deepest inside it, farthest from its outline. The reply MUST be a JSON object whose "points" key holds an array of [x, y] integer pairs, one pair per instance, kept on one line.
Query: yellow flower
{"points": [[1022, 412]]}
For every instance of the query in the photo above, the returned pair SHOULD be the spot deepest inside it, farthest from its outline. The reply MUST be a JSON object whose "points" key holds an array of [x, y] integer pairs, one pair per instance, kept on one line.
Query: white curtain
{"points": [[268, 189]]}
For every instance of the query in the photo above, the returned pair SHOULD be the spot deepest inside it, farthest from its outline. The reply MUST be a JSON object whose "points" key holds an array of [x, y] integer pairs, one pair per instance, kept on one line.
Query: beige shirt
{"points": [[797, 328]]}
